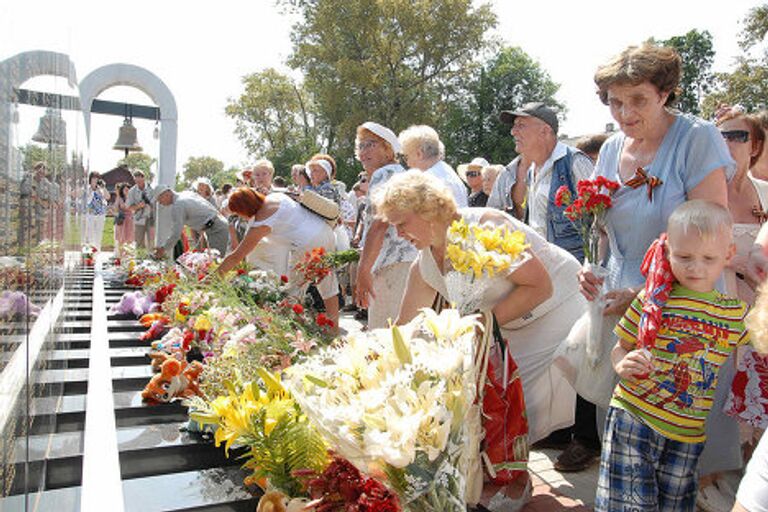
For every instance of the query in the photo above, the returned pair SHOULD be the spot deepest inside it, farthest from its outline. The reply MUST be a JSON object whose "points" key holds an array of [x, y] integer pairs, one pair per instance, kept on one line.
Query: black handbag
{"points": [[119, 218]]}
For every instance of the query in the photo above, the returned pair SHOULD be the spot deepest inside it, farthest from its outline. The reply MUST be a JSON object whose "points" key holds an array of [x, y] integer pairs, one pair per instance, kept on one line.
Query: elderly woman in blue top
{"points": [[661, 158], [189, 209]]}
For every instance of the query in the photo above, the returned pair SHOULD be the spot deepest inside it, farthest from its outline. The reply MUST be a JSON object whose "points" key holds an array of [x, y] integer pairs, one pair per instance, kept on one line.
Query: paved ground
{"points": [[552, 491]]}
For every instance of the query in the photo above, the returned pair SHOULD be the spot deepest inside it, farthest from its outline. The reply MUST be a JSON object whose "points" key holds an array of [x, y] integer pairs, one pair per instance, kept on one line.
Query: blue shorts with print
{"points": [[641, 470]]}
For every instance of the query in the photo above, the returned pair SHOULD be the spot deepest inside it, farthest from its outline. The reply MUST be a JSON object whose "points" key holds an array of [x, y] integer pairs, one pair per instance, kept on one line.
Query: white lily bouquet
{"points": [[478, 253], [393, 402]]}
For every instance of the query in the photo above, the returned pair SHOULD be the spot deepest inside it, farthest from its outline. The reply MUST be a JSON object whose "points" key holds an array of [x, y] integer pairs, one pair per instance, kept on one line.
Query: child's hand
{"points": [[637, 364]]}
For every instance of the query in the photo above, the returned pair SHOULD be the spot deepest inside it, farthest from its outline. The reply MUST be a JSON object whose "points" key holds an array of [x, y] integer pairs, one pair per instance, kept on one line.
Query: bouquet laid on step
{"points": [[88, 255], [200, 263], [393, 402]]}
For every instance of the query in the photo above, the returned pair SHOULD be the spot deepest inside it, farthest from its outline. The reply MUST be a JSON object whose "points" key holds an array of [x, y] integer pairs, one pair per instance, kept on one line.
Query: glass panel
{"points": [[42, 167]]}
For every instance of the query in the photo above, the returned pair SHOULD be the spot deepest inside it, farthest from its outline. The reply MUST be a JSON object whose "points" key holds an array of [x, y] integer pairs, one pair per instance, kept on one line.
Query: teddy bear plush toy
{"points": [[133, 303], [177, 379]]}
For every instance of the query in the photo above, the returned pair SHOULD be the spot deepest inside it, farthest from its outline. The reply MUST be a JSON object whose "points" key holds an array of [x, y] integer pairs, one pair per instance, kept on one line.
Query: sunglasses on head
{"points": [[735, 135], [473, 174]]}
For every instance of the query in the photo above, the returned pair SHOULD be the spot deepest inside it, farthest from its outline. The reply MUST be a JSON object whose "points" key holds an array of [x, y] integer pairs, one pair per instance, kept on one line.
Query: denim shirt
{"points": [[560, 229]]}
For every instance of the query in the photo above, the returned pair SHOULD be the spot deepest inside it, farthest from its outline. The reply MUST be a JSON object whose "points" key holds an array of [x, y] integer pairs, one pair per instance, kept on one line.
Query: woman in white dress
{"points": [[535, 306], [289, 225]]}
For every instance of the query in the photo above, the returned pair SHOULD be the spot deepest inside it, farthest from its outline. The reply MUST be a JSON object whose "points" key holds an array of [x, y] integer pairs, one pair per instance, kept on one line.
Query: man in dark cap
{"points": [[551, 165]]}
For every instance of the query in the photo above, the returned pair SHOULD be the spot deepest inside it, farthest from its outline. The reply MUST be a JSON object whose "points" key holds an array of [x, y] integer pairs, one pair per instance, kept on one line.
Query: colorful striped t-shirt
{"points": [[698, 331]]}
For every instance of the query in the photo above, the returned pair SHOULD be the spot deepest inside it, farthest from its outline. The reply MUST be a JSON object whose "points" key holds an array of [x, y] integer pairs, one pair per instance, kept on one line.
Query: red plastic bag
{"points": [[505, 421]]}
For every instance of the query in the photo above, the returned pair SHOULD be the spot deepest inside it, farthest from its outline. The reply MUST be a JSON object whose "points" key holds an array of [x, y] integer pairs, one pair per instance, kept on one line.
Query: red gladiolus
{"points": [[240, 271], [298, 309], [284, 278]]}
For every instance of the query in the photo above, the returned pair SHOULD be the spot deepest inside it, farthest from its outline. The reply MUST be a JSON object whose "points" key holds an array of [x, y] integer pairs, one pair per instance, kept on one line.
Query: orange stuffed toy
{"points": [[177, 379]]}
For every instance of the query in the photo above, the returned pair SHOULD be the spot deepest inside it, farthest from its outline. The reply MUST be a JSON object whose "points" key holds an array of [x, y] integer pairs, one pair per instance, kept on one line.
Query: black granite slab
{"points": [[191, 490], [132, 372], [59, 500], [48, 405]]}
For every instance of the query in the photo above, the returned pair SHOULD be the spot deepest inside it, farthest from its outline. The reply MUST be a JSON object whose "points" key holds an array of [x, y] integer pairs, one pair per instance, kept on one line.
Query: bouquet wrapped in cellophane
{"points": [[393, 402], [477, 254], [480, 255]]}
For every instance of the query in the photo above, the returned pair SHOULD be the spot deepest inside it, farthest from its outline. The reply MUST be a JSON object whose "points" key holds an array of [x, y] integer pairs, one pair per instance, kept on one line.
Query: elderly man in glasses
{"points": [[551, 165]]}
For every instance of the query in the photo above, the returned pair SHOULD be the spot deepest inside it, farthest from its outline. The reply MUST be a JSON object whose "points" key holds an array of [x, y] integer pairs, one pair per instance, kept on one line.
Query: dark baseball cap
{"points": [[536, 109]]}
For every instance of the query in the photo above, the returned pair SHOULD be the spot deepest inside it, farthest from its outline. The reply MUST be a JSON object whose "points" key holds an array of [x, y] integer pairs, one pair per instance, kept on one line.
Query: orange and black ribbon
{"points": [[643, 178], [761, 215]]}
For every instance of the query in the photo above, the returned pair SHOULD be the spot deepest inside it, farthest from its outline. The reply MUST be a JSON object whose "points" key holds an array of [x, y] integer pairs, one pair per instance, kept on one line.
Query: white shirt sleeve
{"points": [[582, 167], [753, 490]]}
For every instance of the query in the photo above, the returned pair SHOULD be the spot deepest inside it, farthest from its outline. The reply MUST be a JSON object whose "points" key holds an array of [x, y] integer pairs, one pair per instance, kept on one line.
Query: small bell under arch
{"points": [[127, 139]]}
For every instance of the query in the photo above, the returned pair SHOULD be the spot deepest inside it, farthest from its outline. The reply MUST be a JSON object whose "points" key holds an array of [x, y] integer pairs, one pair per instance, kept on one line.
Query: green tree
{"points": [[696, 51], [55, 157], [141, 161], [225, 176], [747, 84], [200, 167], [472, 128], [392, 61], [755, 27], [273, 119]]}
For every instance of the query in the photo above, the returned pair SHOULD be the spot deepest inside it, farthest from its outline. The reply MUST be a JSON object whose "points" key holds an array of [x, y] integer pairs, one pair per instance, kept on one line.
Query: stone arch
{"points": [[16, 70], [112, 75]]}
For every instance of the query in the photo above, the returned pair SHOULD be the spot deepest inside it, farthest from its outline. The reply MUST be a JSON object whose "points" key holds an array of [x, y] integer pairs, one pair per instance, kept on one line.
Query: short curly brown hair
{"points": [[659, 65]]}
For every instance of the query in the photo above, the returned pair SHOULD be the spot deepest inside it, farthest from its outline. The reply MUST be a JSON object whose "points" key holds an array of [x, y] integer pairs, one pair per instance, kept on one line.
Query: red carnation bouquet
{"points": [[587, 210], [314, 266]]}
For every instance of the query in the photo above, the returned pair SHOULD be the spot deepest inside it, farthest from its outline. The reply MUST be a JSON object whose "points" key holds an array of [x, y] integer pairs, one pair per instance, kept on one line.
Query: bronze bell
{"points": [[52, 128], [127, 139]]}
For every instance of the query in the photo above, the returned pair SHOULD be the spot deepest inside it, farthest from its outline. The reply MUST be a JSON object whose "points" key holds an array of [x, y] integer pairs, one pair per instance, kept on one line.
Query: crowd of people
{"points": [[681, 244]]}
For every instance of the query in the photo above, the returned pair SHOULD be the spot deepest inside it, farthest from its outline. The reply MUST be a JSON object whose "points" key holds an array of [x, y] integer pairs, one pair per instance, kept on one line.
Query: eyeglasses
{"points": [[362, 146], [363, 180], [473, 174], [735, 135]]}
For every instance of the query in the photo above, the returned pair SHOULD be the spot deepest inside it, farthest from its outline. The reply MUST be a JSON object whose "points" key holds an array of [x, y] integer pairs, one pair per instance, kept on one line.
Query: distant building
{"points": [[117, 175]]}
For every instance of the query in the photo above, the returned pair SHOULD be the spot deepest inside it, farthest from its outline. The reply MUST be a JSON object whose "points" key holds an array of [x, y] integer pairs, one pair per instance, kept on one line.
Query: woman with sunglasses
{"points": [[747, 196], [472, 175]]}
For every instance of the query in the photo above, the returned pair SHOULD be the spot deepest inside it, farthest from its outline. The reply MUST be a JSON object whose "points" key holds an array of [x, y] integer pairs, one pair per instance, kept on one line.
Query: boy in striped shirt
{"points": [[673, 340]]}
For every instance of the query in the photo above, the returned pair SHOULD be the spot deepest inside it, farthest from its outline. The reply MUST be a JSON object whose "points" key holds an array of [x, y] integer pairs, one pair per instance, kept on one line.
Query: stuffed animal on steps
{"points": [[133, 303], [177, 379]]}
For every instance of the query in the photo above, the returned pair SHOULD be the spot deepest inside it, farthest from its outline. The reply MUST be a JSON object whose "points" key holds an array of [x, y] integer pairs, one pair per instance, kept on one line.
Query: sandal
{"points": [[710, 499]]}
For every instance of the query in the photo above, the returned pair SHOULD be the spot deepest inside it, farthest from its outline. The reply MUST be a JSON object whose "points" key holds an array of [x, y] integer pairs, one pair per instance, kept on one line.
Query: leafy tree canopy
{"points": [[505, 82], [392, 61], [697, 53], [138, 160]]}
